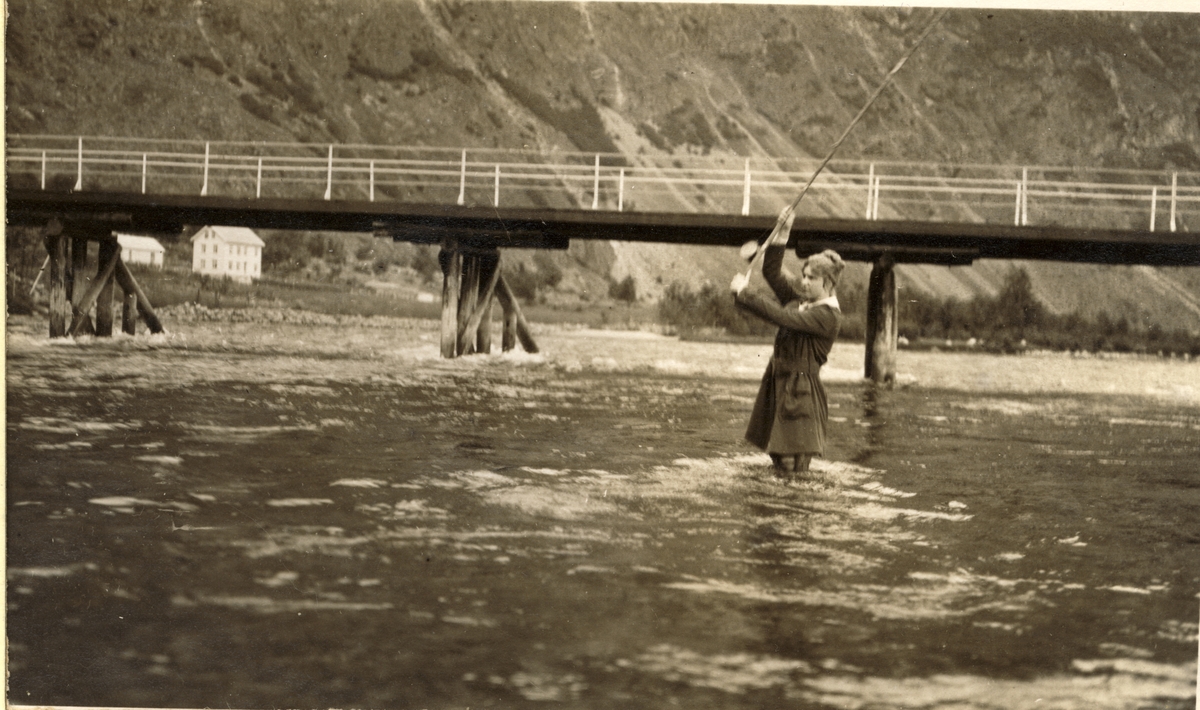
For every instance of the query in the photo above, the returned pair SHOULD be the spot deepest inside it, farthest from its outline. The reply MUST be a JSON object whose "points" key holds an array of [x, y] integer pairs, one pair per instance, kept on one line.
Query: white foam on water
{"points": [[878, 487], [359, 482], [42, 572], [468, 621], [298, 502], [1118, 686], [57, 425], [64, 447], [547, 471], [302, 540], [128, 504], [872, 511], [935, 598], [734, 673], [268, 605], [550, 503], [240, 434], [543, 686], [1126, 590], [165, 460]]}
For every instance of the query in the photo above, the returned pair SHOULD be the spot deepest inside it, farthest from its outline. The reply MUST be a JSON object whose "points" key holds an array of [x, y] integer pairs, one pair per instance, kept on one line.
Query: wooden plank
{"points": [[882, 330], [144, 309], [109, 249], [451, 258]]}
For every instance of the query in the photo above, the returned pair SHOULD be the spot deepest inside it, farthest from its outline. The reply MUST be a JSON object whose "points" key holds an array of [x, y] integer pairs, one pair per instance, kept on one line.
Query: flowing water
{"points": [[265, 515]]}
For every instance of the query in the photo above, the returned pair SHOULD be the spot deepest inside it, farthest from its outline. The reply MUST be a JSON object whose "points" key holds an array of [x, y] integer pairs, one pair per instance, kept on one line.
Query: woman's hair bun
{"points": [[828, 264]]}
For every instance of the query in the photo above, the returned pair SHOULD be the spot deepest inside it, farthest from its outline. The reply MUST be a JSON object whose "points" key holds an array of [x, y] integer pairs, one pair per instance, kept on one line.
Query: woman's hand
{"points": [[739, 283], [783, 228]]}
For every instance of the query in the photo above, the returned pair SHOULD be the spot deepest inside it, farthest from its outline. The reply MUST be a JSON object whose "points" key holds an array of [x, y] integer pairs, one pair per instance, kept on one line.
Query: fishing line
{"points": [[886, 81]]}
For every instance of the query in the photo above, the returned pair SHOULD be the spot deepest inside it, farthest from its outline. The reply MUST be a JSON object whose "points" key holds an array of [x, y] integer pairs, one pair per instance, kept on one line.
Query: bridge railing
{"points": [[850, 189]]}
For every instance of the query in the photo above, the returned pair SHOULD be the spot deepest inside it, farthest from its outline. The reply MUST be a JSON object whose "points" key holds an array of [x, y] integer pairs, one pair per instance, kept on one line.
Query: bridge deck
{"points": [[861, 239]]}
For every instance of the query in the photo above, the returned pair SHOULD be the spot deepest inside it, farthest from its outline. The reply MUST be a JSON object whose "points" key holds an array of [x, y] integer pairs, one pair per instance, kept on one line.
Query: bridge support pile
{"points": [[72, 297], [471, 284], [882, 326]]}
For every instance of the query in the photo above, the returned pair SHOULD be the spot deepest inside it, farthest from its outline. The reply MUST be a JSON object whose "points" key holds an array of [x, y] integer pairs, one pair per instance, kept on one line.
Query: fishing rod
{"points": [[758, 248]]}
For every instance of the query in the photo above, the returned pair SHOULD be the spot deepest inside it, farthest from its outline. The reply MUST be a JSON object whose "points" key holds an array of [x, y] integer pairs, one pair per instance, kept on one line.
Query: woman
{"points": [[788, 420]]}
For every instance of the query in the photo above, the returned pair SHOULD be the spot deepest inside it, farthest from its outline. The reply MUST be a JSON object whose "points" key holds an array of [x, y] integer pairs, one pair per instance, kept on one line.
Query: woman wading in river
{"points": [[788, 420]]}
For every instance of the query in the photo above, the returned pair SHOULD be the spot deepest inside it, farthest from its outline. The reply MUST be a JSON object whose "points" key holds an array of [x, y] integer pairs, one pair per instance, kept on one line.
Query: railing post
{"points": [[596, 185], [43, 170], [462, 180], [372, 181], [1024, 196], [1174, 180], [870, 188], [329, 175], [746, 191], [496, 196], [258, 180], [621, 192], [1017, 213], [875, 204], [143, 173], [79, 178], [1153, 205], [204, 187]]}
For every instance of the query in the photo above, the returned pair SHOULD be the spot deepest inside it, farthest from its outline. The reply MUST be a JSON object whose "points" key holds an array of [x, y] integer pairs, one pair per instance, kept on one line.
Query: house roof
{"points": [[132, 241], [231, 235]]}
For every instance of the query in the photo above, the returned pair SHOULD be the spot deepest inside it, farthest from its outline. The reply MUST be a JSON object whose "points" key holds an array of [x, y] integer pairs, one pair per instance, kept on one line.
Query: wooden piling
{"points": [[882, 328], [109, 250], [508, 334], [103, 279], [466, 306], [509, 302], [471, 333], [130, 285], [58, 248], [78, 284], [451, 259], [129, 313], [488, 275]]}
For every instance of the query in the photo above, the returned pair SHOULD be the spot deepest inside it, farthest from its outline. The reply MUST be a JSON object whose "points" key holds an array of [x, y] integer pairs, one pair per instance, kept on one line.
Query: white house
{"points": [[140, 250], [235, 252]]}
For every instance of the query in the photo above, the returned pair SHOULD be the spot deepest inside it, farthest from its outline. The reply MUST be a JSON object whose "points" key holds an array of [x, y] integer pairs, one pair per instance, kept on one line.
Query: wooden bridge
{"points": [[474, 202]]}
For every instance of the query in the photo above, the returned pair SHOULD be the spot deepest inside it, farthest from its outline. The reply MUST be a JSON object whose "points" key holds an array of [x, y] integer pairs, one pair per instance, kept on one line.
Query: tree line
{"points": [[1011, 321]]}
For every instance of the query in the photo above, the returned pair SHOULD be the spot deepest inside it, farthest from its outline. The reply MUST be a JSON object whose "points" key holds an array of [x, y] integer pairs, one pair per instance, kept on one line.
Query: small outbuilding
{"points": [[141, 250], [235, 252]]}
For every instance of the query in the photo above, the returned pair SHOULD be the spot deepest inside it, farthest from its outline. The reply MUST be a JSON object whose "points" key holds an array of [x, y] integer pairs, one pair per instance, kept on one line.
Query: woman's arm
{"points": [[820, 321], [772, 257], [772, 270]]}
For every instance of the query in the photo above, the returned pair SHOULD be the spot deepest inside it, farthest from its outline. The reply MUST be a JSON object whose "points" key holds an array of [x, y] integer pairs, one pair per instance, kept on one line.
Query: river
{"points": [[263, 514]]}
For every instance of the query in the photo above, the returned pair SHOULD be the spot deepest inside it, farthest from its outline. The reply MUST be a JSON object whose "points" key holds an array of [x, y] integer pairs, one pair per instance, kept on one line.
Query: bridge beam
{"points": [[882, 325]]}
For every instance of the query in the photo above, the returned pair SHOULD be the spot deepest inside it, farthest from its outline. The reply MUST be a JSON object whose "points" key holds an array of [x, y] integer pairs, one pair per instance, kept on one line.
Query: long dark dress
{"points": [[791, 409]]}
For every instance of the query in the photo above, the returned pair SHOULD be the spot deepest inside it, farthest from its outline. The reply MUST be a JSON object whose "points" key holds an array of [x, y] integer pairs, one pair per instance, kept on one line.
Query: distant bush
{"points": [[711, 307], [623, 290]]}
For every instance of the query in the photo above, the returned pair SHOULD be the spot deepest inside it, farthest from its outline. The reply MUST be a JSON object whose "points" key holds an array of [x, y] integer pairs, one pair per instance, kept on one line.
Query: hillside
{"points": [[1094, 89]]}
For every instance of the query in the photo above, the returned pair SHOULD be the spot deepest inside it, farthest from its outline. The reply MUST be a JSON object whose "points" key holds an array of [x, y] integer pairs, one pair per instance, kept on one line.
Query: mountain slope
{"points": [[648, 80]]}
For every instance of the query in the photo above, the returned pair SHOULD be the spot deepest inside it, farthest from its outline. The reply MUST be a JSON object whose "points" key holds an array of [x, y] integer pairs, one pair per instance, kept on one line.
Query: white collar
{"points": [[830, 301]]}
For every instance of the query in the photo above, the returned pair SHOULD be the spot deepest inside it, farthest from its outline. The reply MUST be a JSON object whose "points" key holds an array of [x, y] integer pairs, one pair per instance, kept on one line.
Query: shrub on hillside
{"points": [[623, 290]]}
